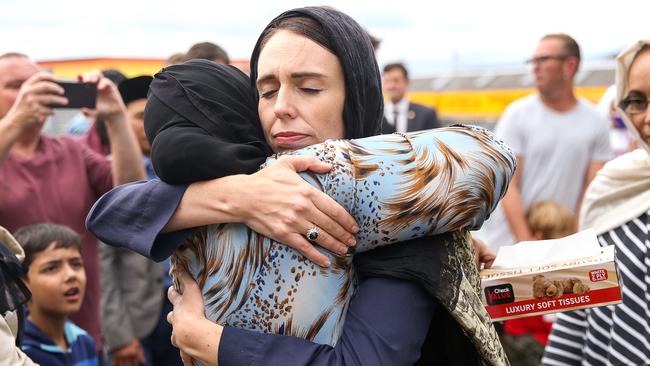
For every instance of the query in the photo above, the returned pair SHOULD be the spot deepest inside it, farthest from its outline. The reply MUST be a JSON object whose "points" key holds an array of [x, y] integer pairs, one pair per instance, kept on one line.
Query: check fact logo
{"points": [[499, 294]]}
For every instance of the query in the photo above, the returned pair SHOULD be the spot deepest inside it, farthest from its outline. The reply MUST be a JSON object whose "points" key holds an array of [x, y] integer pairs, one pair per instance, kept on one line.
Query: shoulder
{"points": [[79, 339], [74, 334], [588, 110], [524, 104], [421, 108]]}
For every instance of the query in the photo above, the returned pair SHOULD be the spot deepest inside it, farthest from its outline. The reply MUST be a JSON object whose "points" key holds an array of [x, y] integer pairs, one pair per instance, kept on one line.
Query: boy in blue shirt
{"points": [[57, 280]]}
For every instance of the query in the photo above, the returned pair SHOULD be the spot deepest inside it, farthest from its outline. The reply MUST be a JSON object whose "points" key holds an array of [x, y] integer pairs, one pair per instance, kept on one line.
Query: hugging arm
{"points": [[154, 218]]}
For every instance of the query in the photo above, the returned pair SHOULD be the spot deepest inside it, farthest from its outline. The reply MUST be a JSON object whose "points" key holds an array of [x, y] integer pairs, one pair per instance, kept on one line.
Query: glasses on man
{"points": [[634, 104], [543, 59]]}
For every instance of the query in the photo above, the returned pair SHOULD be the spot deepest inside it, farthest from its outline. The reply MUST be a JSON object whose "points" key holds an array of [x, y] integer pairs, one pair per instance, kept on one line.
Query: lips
{"points": [[73, 294], [288, 138]]}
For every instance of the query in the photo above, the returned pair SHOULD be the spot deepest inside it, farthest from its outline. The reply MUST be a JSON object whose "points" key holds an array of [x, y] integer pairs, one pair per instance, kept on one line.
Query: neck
{"points": [[560, 100], [52, 326], [27, 143], [395, 101]]}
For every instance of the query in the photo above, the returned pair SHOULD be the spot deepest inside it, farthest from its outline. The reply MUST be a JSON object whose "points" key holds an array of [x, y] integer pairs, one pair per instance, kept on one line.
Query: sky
{"points": [[431, 37]]}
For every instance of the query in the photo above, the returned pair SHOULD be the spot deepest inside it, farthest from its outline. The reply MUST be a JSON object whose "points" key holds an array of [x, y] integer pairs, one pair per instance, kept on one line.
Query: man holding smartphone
{"points": [[56, 180]]}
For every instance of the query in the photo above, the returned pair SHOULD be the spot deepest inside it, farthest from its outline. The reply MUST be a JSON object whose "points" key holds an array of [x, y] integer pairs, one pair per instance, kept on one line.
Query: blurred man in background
{"points": [[400, 114], [560, 142]]}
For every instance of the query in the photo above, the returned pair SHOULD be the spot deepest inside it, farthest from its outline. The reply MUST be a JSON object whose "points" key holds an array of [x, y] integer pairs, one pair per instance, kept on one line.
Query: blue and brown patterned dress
{"points": [[397, 187]]}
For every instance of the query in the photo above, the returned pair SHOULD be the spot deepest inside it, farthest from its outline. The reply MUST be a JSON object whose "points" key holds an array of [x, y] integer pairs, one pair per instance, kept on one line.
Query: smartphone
{"points": [[80, 95]]}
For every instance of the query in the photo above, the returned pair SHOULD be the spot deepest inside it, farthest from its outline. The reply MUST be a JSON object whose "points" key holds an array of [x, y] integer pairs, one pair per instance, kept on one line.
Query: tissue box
{"points": [[551, 287]]}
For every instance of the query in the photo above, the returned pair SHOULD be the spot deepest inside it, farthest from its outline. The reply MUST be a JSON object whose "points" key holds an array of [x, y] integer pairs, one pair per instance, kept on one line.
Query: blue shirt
{"points": [[42, 350]]}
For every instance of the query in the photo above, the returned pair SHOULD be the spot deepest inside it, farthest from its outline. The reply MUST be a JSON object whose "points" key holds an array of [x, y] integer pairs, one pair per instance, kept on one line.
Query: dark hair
{"points": [[344, 37], [375, 41], [397, 66], [38, 237], [13, 54], [571, 47], [207, 51]]}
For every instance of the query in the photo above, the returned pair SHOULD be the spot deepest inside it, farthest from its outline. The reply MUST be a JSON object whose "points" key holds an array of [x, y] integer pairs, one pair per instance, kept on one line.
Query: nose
{"points": [[285, 104], [71, 273]]}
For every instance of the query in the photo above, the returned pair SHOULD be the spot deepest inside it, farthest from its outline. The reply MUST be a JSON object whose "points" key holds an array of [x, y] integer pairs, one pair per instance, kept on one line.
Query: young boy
{"points": [[526, 338], [57, 280]]}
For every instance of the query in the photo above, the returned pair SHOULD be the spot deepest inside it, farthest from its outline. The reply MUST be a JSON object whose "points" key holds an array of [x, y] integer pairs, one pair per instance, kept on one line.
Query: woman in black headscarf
{"points": [[362, 103]]}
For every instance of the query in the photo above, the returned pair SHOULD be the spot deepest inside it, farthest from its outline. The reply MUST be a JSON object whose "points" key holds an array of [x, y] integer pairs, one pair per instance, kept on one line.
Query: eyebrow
{"points": [[296, 75]]}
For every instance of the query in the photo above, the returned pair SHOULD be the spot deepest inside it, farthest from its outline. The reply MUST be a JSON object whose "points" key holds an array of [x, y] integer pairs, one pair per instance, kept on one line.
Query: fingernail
{"points": [[352, 242], [343, 250], [327, 263], [355, 228]]}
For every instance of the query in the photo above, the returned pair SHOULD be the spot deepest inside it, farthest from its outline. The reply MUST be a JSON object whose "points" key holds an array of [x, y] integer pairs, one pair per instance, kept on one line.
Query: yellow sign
{"points": [[484, 104]]}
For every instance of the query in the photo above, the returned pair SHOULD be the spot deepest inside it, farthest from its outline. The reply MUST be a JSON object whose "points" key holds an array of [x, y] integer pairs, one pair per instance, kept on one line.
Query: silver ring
{"points": [[312, 234]]}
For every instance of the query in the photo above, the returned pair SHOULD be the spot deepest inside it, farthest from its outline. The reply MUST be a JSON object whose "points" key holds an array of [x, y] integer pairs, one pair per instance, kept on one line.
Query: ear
{"points": [[571, 67]]}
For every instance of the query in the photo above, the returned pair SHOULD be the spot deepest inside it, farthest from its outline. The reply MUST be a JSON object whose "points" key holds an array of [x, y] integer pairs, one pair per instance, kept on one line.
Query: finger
{"points": [[187, 282], [312, 163], [50, 100], [140, 356], [170, 317], [300, 243], [326, 241], [46, 87], [173, 295], [488, 260], [41, 76], [104, 83], [338, 215], [326, 206], [91, 77], [187, 360]]}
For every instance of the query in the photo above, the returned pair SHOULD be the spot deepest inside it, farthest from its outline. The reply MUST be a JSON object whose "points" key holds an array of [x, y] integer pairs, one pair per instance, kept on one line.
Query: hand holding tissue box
{"points": [[550, 276]]}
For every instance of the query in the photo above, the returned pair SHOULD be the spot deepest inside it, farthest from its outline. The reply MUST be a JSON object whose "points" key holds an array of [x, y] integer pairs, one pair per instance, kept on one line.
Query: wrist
{"points": [[231, 203], [115, 119], [11, 124]]}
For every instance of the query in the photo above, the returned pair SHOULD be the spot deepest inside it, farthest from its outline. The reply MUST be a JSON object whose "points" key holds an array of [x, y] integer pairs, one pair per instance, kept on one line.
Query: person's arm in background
{"points": [[127, 164], [509, 129], [386, 324], [601, 152], [513, 206], [590, 174]]}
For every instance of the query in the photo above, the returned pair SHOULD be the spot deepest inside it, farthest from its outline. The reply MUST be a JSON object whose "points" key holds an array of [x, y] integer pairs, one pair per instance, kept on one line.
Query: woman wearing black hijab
{"points": [[364, 104]]}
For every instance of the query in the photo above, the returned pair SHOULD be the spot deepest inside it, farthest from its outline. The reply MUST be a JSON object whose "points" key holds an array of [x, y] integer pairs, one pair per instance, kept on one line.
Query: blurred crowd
{"points": [[92, 303]]}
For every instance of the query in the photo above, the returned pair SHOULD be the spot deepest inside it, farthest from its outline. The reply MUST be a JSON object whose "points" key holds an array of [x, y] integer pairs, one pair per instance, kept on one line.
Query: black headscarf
{"points": [[201, 121], [344, 37]]}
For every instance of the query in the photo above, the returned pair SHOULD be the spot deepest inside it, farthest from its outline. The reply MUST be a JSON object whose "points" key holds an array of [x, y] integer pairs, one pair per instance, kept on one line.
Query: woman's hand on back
{"points": [[278, 203]]}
